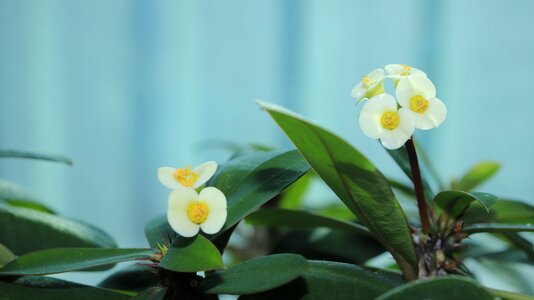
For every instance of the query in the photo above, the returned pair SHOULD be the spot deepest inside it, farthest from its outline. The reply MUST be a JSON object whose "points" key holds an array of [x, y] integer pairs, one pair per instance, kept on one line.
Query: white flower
{"points": [[381, 119], [397, 72], [178, 178], [372, 84], [418, 94], [189, 211]]}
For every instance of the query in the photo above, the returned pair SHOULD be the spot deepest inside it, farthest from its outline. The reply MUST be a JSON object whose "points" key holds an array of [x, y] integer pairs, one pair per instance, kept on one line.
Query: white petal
{"points": [[393, 139], [393, 69], [177, 212], [214, 222], [166, 177], [372, 111], [377, 75], [405, 91], [205, 171], [434, 115], [214, 198], [407, 122], [415, 71], [423, 86], [358, 91]]}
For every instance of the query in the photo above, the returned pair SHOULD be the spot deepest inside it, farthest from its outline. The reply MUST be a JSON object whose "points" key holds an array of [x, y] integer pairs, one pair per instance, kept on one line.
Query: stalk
{"points": [[418, 185]]}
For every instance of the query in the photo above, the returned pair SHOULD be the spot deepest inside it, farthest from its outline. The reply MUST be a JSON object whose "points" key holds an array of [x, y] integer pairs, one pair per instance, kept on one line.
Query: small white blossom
{"points": [[381, 119], [371, 84], [189, 211], [397, 72], [418, 94], [175, 178]]}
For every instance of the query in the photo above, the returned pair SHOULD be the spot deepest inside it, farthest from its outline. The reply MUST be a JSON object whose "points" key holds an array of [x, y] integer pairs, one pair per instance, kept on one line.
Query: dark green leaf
{"points": [[279, 217], [47, 288], [192, 255], [400, 156], [136, 278], [356, 182], [158, 230], [59, 260], [15, 195], [32, 155], [154, 293], [505, 295], [456, 202], [333, 281], [477, 175], [255, 275], [26, 230], [497, 227], [438, 288], [5, 255]]}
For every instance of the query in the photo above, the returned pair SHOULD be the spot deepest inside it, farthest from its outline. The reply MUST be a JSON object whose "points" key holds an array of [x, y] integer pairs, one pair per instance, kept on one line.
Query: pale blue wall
{"points": [[124, 87]]}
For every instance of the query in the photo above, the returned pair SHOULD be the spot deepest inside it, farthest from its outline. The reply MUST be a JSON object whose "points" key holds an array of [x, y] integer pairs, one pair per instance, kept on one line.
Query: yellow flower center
{"points": [[390, 120], [406, 70], [197, 212], [185, 176], [367, 81], [418, 104]]}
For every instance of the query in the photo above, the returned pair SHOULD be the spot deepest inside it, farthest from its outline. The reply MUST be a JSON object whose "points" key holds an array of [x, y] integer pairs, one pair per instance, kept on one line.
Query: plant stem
{"points": [[418, 185]]}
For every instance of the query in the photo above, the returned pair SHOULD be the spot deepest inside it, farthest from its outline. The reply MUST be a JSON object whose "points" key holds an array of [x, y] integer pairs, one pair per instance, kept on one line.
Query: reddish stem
{"points": [[418, 185]]}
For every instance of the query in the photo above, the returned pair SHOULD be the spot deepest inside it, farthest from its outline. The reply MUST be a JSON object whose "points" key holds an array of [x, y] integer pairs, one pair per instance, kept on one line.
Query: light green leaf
{"points": [[279, 217], [456, 202], [497, 227], [356, 181], [439, 288], [337, 211], [477, 175], [255, 275], [192, 255], [333, 281], [47, 288], [509, 211], [7, 153], [15, 195], [5, 255], [293, 197], [26, 230], [59, 260], [505, 295]]}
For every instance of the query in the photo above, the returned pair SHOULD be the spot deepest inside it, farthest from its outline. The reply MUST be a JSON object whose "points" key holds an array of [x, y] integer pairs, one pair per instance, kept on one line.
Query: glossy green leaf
{"points": [[356, 181], [5, 255], [477, 175], [158, 230], [59, 260], [7, 153], [405, 189], [192, 255], [509, 211], [26, 230], [439, 288], [255, 275], [135, 278], [337, 211], [47, 288], [456, 202], [15, 195], [333, 281], [293, 197], [506, 295], [497, 227], [279, 217], [400, 156]]}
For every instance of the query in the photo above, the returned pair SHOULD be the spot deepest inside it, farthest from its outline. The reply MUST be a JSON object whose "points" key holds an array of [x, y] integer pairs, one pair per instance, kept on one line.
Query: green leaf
{"points": [[293, 197], [255, 275], [32, 155], [505, 295], [333, 281], [438, 288], [15, 195], [400, 156], [26, 230], [158, 230], [5, 255], [456, 202], [59, 260], [477, 175], [154, 293], [356, 181], [47, 288], [279, 217], [405, 189], [497, 227], [135, 278], [192, 255], [509, 211], [337, 211]]}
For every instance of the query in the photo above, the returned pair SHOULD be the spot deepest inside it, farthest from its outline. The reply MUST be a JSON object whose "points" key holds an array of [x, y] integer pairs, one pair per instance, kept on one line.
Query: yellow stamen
{"points": [[197, 212], [418, 104], [186, 176], [406, 70], [390, 120], [366, 81]]}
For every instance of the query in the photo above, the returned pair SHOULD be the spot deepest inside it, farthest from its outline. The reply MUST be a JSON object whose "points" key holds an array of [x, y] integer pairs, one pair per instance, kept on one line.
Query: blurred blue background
{"points": [[124, 87]]}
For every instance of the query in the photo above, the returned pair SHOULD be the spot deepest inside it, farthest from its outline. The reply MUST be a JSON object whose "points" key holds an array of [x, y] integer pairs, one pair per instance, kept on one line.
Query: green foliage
{"points": [[454, 203], [293, 197], [192, 255], [356, 181], [5, 255], [135, 278], [255, 275], [497, 227], [477, 175], [59, 260], [400, 156], [7, 153], [14, 195]]}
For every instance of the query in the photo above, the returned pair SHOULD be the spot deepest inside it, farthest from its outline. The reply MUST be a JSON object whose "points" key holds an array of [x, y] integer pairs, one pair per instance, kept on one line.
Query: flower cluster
{"points": [[391, 120], [188, 210]]}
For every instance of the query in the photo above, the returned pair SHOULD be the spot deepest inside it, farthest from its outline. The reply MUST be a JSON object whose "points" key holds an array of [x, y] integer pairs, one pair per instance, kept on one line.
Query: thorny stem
{"points": [[418, 185]]}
